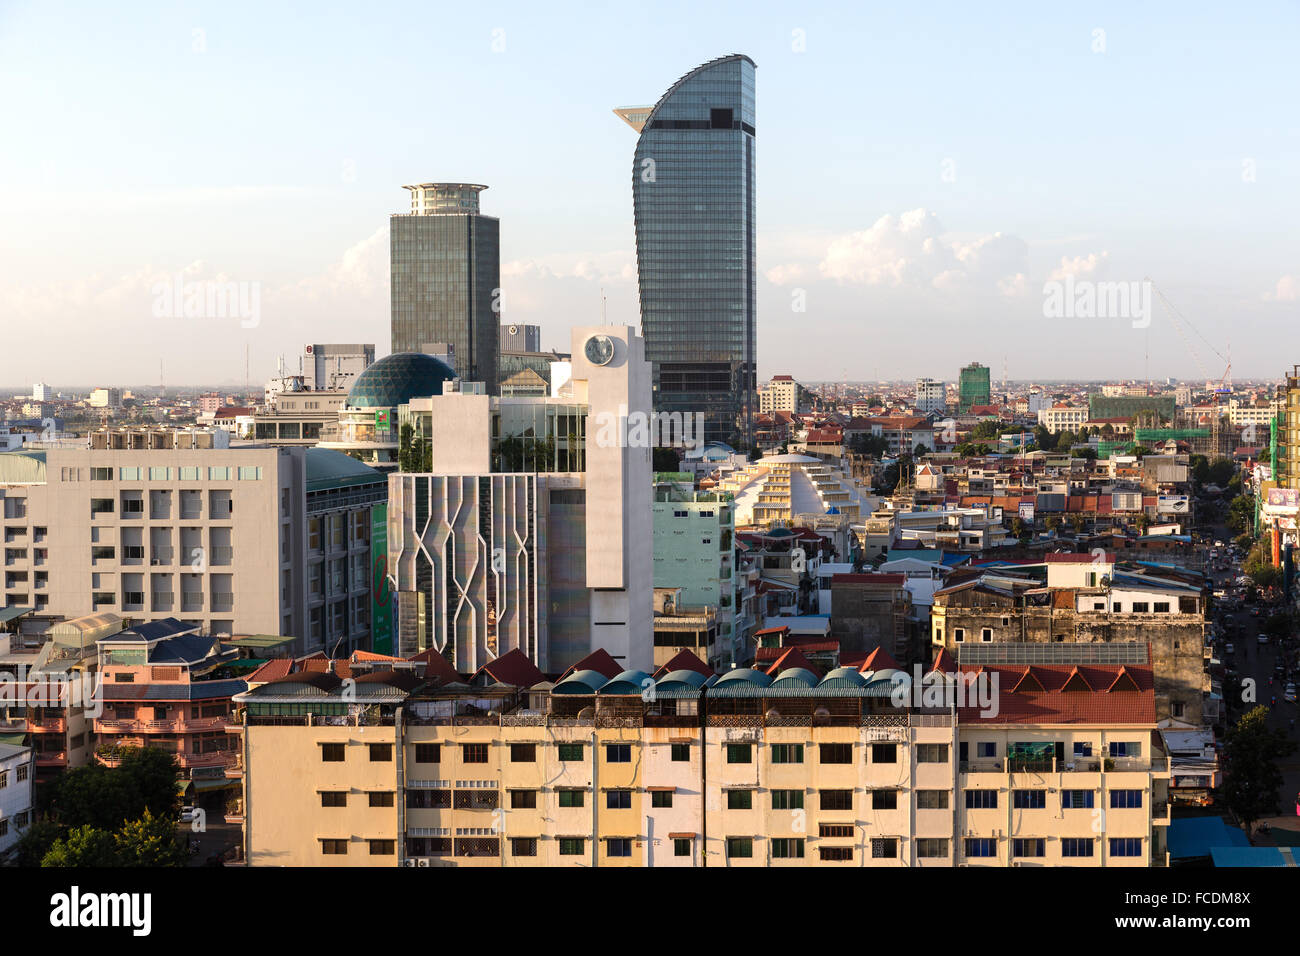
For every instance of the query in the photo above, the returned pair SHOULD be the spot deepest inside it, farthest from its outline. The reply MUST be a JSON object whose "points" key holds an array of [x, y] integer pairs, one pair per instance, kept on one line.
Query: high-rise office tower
{"points": [[693, 201], [446, 278], [973, 386]]}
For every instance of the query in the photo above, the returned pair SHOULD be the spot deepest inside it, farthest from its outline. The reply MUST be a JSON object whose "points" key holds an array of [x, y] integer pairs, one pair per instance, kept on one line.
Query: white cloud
{"points": [[786, 274], [1079, 266]]}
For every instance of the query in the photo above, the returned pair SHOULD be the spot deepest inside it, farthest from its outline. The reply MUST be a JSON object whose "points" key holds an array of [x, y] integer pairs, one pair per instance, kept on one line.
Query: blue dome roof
{"points": [[396, 379]]}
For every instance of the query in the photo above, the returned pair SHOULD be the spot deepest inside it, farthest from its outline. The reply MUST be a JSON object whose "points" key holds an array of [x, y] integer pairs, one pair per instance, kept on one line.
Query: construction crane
{"points": [[1225, 383]]}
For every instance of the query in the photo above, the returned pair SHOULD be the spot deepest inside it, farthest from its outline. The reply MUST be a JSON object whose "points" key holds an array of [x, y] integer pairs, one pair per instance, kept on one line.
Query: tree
{"points": [[873, 446], [988, 428], [664, 459], [149, 841], [1251, 777], [1089, 453], [104, 798], [36, 841], [84, 846], [1241, 514]]}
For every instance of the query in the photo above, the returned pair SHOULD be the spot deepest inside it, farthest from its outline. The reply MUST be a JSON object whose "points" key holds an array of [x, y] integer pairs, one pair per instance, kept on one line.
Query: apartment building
{"points": [[694, 551], [52, 691], [931, 396], [777, 489], [1056, 765], [158, 690], [1062, 418], [782, 394], [1078, 599], [17, 778], [253, 540]]}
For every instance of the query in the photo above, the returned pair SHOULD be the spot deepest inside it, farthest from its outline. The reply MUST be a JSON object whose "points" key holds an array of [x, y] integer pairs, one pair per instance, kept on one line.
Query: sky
{"points": [[924, 171]]}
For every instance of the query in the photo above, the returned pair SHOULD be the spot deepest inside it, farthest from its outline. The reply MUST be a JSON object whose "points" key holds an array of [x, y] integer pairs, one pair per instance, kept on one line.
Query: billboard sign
{"points": [[1027, 511], [1282, 501], [1173, 504]]}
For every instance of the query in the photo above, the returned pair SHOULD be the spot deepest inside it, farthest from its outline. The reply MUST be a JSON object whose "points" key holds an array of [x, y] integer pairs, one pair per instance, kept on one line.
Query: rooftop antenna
{"points": [[604, 320]]}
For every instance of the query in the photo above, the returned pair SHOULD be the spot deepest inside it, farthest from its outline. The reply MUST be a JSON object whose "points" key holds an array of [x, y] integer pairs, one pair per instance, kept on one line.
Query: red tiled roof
{"points": [[599, 661], [319, 663], [773, 630], [271, 670], [437, 665], [684, 661], [944, 662], [514, 668], [887, 578], [791, 657], [1091, 694], [371, 656], [878, 660]]}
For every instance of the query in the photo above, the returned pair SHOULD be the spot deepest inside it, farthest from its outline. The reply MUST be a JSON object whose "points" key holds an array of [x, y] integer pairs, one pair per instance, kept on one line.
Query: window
{"points": [[884, 799], [959, 635], [159, 473], [570, 752], [1126, 748], [739, 753], [1125, 846], [474, 753], [523, 846], [1076, 799], [986, 635], [1125, 799], [572, 846], [618, 800], [981, 799], [835, 831], [382, 798], [1083, 748], [836, 854], [523, 753], [1029, 799], [523, 799], [787, 753], [572, 798], [884, 753], [681, 846], [931, 753], [1028, 847], [101, 506], [428, 753], [932, 799], [1076, 846], [618, 753], [250, 472], [740, 799], [1139, 607], [787, 799], [383, 847], [836, 753], [1162, 607], [740, 848], [334, 847], [618, 847], [977, 847], [836, 799], [931, 847], [681, 753], [884, 848], [332, 753], [22, 773], [661, 798], [381, 753], [787, 848], [101, 474]]}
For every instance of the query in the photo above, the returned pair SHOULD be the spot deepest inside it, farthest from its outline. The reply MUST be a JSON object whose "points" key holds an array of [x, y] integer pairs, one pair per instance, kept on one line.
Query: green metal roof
{"points": [[259, 641], [327, 469], [7, 614], [396, 379], [580, 682]]}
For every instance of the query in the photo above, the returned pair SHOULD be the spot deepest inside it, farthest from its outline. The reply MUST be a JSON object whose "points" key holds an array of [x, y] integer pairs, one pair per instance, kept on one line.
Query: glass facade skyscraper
{"points": [[445, 261], [693, 202]]}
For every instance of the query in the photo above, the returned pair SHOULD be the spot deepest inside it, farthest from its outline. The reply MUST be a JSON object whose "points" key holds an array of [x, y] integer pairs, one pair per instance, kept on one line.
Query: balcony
{"points": [[47, 725], [163, 601], [52, 758], [221, 759], [220, 555], [162, 555], [192, 602]]}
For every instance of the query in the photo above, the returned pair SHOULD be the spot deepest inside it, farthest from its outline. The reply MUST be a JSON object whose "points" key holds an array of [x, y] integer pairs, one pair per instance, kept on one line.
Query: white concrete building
{"points": [[17, 773], [533, 528], [1062, 417], [931, 396]]}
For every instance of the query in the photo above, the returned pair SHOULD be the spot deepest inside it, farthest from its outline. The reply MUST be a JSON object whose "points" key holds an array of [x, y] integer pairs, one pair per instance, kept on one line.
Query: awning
{"points": [[682, 836], [215, 783], [7, 614], [259, 642], [14, 740], [182, 786]]}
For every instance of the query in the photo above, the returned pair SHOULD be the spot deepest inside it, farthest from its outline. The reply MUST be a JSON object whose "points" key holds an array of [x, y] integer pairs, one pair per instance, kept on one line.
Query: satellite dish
{"points": [[1105, 580]]}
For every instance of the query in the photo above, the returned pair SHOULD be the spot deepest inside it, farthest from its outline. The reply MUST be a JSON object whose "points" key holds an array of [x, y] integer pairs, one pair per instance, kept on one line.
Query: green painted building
{"points": [[973, 387]]}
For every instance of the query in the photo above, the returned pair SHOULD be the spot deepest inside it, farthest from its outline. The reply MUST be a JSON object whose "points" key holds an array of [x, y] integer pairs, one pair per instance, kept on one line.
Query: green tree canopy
{"points": [[1251, 777]]}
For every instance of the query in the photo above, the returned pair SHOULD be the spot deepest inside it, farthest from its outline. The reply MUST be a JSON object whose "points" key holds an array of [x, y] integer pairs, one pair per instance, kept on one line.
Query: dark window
{"points": [[931, 847], [618, 846], [618, 753], [884, 799], [932, 800], [787, 799], [381, 753], [383, 847], [1029, 799], [787, 848], [836, 753], [474, 753], [740, 848], [570, 752], [739, 753], [332, 753], [572, 798], [720, 119], [981, 799], [884, 753], [1028, 847], [836, 799], [1125, 799], [571, 846], [523, 799], [661, 798], [740, 799], [523, 753], [681, 846], [787, 753], [334, 798], [681, 752], [981, 847], [1124, 846], [1076, 846], [618, 800], [428, 753], [382, 798], [836, 854], [523, 846], [884, 848], [334, 847]]}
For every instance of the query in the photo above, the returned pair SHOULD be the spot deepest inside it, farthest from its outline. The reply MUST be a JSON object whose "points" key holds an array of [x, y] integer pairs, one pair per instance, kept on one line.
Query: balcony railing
{"points": [[219, 759]]}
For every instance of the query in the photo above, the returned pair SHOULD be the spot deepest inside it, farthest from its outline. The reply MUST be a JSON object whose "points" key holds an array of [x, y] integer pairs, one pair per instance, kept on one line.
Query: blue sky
{"points": [[922, 171]]}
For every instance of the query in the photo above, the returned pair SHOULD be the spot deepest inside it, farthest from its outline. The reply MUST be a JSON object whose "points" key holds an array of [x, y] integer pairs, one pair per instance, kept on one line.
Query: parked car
{"points": [[1288, 693], [187, 814], [1229, 649], [1262, 639]]}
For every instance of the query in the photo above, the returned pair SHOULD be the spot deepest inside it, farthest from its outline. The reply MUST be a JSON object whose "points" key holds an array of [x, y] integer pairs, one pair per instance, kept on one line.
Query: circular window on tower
{"points": [[599, 349]]}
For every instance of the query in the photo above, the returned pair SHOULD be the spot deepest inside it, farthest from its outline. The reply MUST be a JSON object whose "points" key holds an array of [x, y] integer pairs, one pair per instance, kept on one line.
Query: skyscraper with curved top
{"points": [[693, 202]]}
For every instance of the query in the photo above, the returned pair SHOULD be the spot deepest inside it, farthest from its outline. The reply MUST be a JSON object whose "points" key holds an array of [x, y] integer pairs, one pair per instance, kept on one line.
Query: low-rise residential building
{"points": [[17, 778]]}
